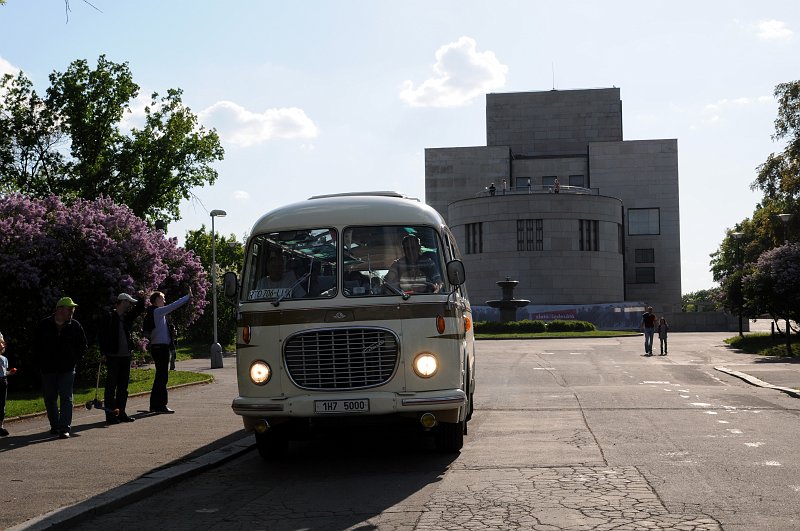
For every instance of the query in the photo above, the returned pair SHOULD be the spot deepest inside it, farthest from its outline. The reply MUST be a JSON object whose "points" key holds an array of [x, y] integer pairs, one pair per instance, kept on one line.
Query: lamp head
{"points": [[785, 217], [218, 213]]}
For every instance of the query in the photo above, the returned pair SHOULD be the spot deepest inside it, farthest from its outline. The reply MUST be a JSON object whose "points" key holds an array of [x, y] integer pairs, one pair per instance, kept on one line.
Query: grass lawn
{"points": [[186, 351], [559, 335], [764, 344], [25, 403]]}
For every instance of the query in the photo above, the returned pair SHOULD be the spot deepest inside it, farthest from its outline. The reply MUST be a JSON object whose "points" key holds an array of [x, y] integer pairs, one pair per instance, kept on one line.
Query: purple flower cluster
{"points": [[90, 251]]}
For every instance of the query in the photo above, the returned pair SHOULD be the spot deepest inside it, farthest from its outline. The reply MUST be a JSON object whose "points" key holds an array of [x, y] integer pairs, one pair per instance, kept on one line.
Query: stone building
{"points": [[559, 201]]}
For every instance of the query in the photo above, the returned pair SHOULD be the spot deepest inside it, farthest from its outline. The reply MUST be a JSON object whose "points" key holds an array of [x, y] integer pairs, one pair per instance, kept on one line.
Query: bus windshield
{"points": [[375, 261], [391, 260], [291, 264]]}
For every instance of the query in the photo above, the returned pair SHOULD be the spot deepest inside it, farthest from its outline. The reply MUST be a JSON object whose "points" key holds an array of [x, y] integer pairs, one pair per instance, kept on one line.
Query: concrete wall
{"points": [[553, 122], [560, 273], [458, 173], [704, 322], [533, 135], [644, 174]]}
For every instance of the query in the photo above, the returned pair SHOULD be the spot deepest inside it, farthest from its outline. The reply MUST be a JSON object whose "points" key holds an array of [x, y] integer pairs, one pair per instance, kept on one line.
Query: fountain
{"points": [[508, 304]]}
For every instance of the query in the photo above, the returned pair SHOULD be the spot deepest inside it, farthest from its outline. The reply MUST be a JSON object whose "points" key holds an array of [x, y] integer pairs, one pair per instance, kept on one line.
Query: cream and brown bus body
{"points": [[353, 308]]}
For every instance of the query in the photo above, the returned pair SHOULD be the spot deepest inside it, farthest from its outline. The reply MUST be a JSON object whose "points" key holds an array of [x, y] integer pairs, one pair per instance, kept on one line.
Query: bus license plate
{"points": [[358, 405]]}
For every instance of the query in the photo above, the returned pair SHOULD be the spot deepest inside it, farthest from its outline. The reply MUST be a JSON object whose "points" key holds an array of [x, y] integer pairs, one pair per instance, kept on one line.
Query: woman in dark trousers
{"points": [[160, 340]]}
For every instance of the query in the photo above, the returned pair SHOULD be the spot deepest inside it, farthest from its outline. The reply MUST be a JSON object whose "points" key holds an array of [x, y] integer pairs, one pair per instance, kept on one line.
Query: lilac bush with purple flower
{"points": [[772, 284], [90, 251]]}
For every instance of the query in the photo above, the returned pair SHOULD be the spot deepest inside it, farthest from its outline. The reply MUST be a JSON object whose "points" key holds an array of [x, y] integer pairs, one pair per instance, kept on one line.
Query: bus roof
{"points": [[354, 208]]}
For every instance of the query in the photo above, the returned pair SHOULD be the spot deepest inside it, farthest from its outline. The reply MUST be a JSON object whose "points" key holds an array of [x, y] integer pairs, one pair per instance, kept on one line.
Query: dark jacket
{"points": [[109, 328], [58, 350]]}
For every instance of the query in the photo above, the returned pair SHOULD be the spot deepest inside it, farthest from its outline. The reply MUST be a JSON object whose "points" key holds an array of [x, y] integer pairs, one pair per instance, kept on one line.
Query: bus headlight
{"points": [[260, 372], [425, 365]]}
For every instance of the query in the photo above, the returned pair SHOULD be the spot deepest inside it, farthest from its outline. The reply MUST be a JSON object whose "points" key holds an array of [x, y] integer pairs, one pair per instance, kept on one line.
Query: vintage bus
{"points": [[352, 308]]}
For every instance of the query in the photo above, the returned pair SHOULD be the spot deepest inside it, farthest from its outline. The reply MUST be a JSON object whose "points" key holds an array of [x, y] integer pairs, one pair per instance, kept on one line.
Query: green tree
{"points": [[75, 138], [704, 300], [31, 161], [772, 285], [779, 180], [229, 257]]}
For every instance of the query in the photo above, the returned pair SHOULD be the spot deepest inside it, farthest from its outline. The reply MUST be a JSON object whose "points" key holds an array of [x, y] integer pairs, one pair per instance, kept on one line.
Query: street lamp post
{"points": [[736, 237], [785, 218], [216, 348]]}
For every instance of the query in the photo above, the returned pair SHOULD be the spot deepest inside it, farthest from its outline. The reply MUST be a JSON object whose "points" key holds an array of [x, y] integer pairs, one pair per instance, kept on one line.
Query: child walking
{"points": [[662, 329]]}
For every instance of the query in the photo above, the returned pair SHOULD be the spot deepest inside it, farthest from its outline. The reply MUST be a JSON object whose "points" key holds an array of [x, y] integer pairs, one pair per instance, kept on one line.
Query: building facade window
{"points": [[588, 234], [474, 238], [644, 221], [548, 180], [577, 180], [539, 234], [529, 235], [645, 256], [645, 275]]}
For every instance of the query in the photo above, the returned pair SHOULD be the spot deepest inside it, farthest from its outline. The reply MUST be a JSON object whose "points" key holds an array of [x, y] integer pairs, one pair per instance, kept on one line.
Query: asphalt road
{"points": [[567, 434]]}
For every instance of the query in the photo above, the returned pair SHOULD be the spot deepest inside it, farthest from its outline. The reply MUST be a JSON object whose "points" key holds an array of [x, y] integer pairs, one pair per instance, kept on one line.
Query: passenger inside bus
{"points": [[414, 272], [280, 280]]}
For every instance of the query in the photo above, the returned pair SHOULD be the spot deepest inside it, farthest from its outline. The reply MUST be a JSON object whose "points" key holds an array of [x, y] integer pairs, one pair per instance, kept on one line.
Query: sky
{"points": [[317, 97]]}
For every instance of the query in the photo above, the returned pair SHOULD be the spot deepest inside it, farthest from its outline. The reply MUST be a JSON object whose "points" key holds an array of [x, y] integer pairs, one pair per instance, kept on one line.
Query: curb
{"points": [[752, 380], [77, 407], [146, 485]]}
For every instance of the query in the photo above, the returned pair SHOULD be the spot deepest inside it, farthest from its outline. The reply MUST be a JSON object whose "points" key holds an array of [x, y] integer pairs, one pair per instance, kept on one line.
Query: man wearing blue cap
{"points": [[59, 343]]}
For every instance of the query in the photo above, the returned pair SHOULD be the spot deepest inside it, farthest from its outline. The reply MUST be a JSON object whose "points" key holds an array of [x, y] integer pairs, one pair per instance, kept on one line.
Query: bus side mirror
{"points": [[230, 284], [455, 272]]}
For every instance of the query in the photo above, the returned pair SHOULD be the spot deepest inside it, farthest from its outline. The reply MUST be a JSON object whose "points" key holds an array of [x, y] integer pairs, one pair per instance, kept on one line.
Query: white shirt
{"points": [[161, 335]]}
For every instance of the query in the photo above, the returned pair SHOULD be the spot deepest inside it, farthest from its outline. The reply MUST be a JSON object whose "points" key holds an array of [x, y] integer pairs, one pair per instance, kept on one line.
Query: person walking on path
{"points": [[59, 344], [662, 330], [160, 339], [116, 345], [648, 326], [5, 372]]}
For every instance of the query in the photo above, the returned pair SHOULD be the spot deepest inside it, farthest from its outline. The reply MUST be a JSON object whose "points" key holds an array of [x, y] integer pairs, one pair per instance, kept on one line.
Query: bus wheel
{"points": [[272, 445], [450, 437]]}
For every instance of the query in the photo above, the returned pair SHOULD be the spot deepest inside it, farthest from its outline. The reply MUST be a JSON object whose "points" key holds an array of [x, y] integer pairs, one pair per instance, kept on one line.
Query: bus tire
{"points": [[450, 437], [272, 445]]}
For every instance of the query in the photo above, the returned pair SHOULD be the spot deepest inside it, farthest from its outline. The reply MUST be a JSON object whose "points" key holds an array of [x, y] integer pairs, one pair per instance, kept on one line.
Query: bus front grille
{"points": [[341, 358]]}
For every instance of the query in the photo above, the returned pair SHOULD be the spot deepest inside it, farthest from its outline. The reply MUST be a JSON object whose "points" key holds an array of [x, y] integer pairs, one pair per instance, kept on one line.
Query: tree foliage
{"points": [[71, 143], [779, 180], [772, 284], [229, 255], [90, 251], [704, 300]]}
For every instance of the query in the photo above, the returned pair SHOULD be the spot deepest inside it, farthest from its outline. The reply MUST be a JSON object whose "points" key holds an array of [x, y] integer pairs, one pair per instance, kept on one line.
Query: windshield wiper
{"points": [[299, 281], [395, 290]]}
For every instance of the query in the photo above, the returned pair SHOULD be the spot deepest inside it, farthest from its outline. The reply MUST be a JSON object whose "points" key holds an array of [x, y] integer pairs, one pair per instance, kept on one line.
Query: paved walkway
{"points": [[103, 464], [50, 483]]}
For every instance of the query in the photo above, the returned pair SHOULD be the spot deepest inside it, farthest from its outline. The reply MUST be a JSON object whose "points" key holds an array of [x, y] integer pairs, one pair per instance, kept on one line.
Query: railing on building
{"points": [[537, 189]]}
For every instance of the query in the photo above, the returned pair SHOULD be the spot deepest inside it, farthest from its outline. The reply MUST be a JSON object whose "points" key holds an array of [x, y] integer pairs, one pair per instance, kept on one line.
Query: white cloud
{"points": [[461, 73], [136, 117], [236, 125], [241, 195], [773, 30], [713, 112], [7, 68]]}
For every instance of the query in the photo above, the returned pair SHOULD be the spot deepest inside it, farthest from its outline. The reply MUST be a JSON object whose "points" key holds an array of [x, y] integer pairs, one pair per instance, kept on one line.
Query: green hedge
{"points": [[532, 327]]}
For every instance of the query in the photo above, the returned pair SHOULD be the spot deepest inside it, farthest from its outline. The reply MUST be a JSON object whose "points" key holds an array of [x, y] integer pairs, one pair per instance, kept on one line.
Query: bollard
{"points": [[216, 356]]}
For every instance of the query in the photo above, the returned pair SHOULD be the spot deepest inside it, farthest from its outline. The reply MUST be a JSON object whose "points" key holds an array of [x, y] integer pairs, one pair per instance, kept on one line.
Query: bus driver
{"points": [[414, 272]]}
